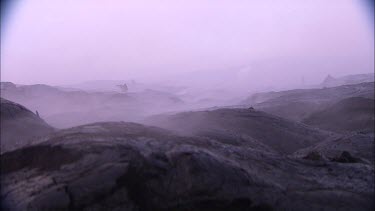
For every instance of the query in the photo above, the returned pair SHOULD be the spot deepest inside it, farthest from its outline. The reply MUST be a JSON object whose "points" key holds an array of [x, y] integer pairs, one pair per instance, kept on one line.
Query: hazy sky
{"points": [[68, 41]]}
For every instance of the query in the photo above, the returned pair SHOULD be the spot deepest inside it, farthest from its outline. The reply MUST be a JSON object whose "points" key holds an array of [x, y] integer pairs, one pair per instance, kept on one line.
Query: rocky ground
{"points": [[20, 126], [350, 114], [234, 126], [294, 150], [127, 166]]}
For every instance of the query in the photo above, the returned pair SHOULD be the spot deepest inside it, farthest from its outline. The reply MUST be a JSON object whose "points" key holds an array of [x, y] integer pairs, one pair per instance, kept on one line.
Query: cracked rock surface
{"points": [[128, 166]]}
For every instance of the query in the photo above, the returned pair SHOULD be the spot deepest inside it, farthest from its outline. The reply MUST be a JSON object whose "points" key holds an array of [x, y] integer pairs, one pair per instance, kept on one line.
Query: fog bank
{"points": [[234, 45]]}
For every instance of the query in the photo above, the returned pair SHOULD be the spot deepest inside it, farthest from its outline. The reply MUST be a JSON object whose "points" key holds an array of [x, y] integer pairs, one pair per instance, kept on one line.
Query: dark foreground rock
{"points": [[20, 126], [349, 148], [126, 166]]}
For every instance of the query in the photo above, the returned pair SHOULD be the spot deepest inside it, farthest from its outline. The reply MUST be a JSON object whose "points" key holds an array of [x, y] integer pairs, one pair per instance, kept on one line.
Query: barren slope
{"points": [[236, 125], [19, 126], [351, 114], [125, 166]]}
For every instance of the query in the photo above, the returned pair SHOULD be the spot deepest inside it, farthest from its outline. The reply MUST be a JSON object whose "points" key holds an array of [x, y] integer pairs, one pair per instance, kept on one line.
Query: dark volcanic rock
{"points": [[19, 126], [351, 114], [357, 146], [314, 155], [298, 104], [240, 126], [346, 157], [127, 166]]}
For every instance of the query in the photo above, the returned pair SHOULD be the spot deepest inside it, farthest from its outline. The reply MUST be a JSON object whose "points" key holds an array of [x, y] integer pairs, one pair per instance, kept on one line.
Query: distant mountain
{"points": [[112, 86], [317, 94], [300, 103], [13, 90], [330, 81], [350, 114], [19, 126], [102, 85], [62, 108], [241, 127]]}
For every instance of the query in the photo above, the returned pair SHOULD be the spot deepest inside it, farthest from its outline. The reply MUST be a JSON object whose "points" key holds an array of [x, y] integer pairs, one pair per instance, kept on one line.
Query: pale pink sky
{"points": [[68, 41]]}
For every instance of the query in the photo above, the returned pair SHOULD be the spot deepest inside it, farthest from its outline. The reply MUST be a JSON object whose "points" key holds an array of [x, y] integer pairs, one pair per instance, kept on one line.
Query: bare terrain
{"points": [[19, 126], [302, 149], [300, 103], [126, 166]]}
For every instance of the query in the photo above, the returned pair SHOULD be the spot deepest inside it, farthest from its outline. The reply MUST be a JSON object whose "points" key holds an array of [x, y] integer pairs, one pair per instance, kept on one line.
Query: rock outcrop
{"points": [[358, 146], [20, 126], [127, 166]]}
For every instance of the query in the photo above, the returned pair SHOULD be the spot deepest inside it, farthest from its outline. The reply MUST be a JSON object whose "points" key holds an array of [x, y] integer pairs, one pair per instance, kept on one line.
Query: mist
{"points": [[187, 105], [240, 46]]}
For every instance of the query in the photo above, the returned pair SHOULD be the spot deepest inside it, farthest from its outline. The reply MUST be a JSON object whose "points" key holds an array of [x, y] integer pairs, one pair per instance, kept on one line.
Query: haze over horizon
{"points": [[206, 105], [67, 42]]}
